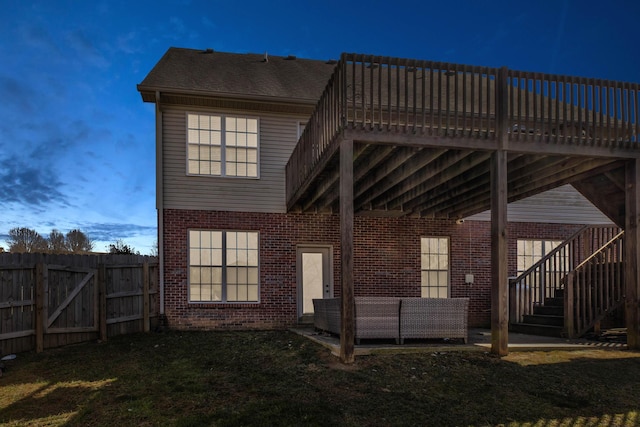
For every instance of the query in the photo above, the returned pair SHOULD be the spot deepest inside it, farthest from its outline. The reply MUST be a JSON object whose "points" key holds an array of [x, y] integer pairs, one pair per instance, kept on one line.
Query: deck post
{"points": [[499, 271], [499, 259], [631, 253], [347, 328]]}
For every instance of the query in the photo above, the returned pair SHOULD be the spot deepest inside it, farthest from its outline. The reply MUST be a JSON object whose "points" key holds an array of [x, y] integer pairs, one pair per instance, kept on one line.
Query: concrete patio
{"points": [[479, 340]]}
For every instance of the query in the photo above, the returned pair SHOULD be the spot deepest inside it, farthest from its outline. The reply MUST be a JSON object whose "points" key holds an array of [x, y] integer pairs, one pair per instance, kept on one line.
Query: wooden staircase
{"points": [[547, 318], [572, 288]]}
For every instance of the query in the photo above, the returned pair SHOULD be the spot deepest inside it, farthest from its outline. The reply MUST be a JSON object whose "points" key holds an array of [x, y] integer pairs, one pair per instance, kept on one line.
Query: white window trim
{"points": [[224, 268], [545, 251], [448, 270], [301, 127], [223, 159]]}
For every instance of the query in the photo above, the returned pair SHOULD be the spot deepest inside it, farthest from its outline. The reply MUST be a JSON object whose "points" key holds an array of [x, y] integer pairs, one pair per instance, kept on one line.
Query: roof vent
{"points": [[290, 58], [208, 50], [332, 62], [266, 57]]}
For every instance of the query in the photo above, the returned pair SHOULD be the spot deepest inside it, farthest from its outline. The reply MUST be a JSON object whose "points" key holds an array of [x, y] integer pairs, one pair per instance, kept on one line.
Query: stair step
{"points": [[306, 320], [542, 330], [544, 319], [549, 310], [554, 302]]}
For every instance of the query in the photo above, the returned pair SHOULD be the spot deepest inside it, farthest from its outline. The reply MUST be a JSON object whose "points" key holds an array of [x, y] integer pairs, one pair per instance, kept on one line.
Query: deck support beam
{"points": [[499, 270], [499, 200], [632, 254], [347, 328]]}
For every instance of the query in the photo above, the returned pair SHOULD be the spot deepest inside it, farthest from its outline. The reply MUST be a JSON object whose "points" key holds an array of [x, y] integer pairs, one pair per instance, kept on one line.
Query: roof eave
{"points": [[149, 95], [169, 96]]}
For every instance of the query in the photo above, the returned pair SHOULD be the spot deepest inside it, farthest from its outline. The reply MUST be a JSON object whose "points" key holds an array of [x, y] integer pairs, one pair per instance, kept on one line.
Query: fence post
{"points": [[145, 296], [41, 282], [102, 300]]}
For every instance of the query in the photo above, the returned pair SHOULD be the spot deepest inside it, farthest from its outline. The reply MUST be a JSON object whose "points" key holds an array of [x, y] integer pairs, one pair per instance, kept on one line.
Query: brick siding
{"points": [[387, 262]]}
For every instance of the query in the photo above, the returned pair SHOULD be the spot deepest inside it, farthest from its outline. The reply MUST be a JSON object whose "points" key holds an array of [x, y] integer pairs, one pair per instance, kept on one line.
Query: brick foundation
{"points": [[387, 262]]}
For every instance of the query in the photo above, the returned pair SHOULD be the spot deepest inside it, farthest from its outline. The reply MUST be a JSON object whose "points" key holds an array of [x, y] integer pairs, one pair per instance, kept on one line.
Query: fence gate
{"points": [[51, 300], [69, 305]]}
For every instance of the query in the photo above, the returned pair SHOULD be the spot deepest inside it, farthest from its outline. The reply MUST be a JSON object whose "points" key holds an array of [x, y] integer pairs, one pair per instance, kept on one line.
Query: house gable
{"points": [[281, 92]]}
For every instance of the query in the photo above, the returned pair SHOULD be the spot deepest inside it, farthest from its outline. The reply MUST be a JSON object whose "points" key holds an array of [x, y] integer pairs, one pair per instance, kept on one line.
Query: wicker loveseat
{"points": [[434, 318], [377, 317], [397, 318]]}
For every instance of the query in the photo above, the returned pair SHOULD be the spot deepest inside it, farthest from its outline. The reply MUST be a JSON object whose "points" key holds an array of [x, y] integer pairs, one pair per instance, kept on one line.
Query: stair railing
{"points": [[594, 288], [549, 274]]}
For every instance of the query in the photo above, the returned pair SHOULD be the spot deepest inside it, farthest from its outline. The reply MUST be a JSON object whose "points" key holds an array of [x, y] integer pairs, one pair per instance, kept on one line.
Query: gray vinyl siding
{"points": [[562, 205], [277, 138]]}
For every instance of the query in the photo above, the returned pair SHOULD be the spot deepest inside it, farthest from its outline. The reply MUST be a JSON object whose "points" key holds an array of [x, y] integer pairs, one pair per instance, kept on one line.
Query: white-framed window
{"points": [[223, 266], [222, 145], [530, 251], [434, 266]]}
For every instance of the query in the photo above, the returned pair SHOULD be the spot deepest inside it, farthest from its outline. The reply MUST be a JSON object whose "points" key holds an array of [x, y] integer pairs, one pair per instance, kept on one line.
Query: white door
{"points": [[314, 276]]}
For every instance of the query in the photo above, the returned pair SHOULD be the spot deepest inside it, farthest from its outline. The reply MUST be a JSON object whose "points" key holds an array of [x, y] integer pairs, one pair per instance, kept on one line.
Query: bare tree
{"points": [[22, 239], [78, 243], [57, 242], [154, 248], [119, 247]]}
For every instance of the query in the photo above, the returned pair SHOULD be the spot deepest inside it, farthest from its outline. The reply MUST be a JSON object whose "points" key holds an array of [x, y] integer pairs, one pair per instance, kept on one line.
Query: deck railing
{"points": [[425, 97], [550, 274], [438, 99], [319, 137], [595, 288], [576, 110]]}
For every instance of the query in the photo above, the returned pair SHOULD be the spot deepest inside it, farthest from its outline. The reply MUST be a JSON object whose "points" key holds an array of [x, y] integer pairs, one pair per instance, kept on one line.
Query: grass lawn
{"points": [[279, 378]]}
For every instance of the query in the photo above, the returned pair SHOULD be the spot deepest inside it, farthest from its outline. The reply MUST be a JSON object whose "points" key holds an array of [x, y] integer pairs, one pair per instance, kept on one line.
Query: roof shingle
{"points": [[241, 75]]}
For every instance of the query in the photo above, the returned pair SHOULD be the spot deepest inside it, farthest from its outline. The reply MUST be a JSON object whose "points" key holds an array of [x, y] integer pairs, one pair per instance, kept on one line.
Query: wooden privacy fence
{"points": [[53, 300]]}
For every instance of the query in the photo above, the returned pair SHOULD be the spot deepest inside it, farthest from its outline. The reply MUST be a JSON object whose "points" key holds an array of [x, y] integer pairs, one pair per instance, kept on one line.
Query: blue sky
{"points": [[77, 142]]}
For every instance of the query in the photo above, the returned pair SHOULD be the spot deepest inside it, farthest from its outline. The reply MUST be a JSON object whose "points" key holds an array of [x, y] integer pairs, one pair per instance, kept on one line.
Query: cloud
{"points": [[17, 95], [178, 25], [179, 31], [86, 49], [129, 43], [110, 232], [29, 184], [38, 37], [208, 22]]}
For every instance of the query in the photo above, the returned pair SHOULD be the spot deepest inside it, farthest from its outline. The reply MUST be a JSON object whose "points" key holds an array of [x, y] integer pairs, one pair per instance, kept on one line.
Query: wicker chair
{"points": [[377, 317], [434, 318], [320, 315], [326, 315]]}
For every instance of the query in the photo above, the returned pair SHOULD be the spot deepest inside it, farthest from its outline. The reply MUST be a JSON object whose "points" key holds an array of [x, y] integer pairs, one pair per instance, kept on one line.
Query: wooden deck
{"points": [[398, 137], [424, 132]]}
